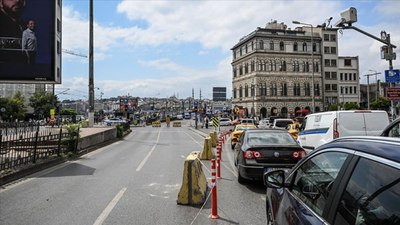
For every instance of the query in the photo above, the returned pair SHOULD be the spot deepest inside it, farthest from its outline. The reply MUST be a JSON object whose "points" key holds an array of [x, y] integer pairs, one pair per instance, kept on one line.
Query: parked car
{"points": [[114, 121], [392, 130], [351, 180], [235, 133], [247, 121], [281, 123], [225, 122], [321, 128], [179, 117], [260, 150]]}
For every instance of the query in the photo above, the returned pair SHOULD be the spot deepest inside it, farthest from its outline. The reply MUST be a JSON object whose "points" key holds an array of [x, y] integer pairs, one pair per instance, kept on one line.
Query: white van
{"points": [[320, 128]]}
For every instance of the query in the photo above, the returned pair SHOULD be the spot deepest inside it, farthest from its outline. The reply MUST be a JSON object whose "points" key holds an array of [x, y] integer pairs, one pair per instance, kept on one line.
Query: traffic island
{"points": [[194, 185]]}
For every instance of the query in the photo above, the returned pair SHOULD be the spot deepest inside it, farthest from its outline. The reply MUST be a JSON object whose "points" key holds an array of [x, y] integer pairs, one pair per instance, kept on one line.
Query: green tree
{"points": [[351, 106], [42, 102], [380, 103], [13, 107], [69, 112]]}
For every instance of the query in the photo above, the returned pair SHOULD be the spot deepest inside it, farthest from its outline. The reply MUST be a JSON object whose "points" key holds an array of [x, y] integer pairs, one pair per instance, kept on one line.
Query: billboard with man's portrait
{"points": [[30, 41]]}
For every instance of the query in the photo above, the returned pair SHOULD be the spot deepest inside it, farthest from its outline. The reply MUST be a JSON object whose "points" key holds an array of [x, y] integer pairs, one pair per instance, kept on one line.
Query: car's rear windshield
{"points": [[283, 123], [244, 127], [269, 138]]}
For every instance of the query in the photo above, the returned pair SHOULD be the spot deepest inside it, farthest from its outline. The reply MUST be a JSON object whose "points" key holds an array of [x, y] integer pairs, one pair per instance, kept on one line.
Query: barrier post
{"points": [[214, 207], [218, 163]]}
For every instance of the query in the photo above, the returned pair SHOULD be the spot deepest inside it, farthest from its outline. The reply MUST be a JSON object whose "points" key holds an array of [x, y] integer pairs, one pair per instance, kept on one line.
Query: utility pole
{"points": [[91, 77]]}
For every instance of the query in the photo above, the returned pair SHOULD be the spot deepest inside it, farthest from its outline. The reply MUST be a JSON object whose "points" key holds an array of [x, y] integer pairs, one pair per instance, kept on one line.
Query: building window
{"points": [[327, 87], [326, 50], [252, 90], [354, 76], [283, 89], [327, 75], [240, 70], [261, 44], [252, 66], [307, 89], [273, 90], [307, 67], [333, 62], [333, 50], [334, 87], [273, 66], [341, 76], [246, 68], [316, 67], [240, 92], [282, 46], [234, 93], [333, 37], [283, 66], [334, 75], [234, 71], [304, 47], [345, 76], [252, 45], [271, 45], [314, 47], [355, 89], [327, 62], [326, 37], [245, 48], [246, 91], [240, 52], [347, 62], [317, 90], [295, 47]]}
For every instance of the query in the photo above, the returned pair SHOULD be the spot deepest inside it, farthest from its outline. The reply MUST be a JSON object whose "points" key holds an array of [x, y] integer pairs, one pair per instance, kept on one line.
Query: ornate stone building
{"points": [[272, 70]]}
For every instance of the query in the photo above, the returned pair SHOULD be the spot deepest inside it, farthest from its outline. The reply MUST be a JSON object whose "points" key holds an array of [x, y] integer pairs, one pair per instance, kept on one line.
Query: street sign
{"points": [[393, 93], [216, 122], [392, 77], [195, 103]]}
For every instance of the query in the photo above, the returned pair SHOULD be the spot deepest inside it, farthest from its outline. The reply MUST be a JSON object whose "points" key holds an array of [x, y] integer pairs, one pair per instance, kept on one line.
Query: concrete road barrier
{"points": [[194, 186], [156, 124], [207, 153], [177, 124], [214, 137]]}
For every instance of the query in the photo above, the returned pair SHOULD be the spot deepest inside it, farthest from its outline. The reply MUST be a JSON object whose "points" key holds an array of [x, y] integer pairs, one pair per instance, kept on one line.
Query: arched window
{"points": [[252, 66], [307, 67], [240, 70], [307, 89], [295, 47], [316, 67], [282, 46], [234, 92], [304, 47], [273, 67], [271, 45], [253, 90], [283, 65], [261, 44], [240, 92], [265, 89], [283, 89]]}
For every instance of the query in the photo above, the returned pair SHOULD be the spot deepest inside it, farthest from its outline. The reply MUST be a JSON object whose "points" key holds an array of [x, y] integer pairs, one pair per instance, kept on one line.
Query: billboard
{"points": [[30, 41]]}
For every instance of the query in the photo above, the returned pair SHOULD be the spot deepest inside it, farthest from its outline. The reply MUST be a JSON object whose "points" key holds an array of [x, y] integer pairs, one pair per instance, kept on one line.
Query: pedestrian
{"points": [[29, 42], [206, 122], [167, 120]]}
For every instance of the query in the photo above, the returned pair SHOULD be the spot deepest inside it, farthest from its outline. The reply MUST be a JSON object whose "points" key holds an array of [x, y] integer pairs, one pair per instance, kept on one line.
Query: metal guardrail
{"points": [[27, 146]]}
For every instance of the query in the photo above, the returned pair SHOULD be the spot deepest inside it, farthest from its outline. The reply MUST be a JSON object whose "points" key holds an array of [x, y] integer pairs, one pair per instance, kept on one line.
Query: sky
{"points": [[147, 48]]}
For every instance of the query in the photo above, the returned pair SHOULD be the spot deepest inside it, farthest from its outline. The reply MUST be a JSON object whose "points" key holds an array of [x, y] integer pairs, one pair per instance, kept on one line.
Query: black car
{"points": [[259, 150], [349, 181]]}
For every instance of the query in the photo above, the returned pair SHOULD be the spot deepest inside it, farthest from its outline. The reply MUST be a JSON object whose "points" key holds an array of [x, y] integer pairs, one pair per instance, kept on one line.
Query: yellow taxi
{"points": [[293, 129], [238, 131]]}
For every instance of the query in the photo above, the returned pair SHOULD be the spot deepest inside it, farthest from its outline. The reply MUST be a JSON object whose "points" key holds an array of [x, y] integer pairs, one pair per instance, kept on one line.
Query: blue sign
{"points": [[195, 103], [392, 77]]}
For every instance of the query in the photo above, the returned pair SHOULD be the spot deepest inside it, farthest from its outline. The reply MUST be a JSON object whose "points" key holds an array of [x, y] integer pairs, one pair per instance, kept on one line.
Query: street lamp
{"points": [[312, 59]]}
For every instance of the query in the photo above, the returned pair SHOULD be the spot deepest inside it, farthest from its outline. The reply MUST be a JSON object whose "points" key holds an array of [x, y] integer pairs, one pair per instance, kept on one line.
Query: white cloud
{"points": [[213, 25]]}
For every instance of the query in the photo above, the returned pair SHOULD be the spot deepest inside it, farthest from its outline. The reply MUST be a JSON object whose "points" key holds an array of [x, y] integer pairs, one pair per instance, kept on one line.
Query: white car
{"points": [[113, 121], [264, 123], [222, 122]]}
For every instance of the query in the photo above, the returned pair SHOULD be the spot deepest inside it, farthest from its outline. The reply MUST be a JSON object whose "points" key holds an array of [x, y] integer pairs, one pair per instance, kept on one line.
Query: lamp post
{"points": [[312, 59]]}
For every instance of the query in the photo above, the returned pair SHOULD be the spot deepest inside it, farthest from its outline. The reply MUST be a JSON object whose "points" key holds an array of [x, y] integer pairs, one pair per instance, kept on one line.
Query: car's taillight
{"points": [[298, 154], [335, 129], [251, 154]]}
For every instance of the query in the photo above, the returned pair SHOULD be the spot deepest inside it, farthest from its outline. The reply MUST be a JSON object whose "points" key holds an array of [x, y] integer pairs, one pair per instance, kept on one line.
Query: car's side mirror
{"points": [[274, 179]]}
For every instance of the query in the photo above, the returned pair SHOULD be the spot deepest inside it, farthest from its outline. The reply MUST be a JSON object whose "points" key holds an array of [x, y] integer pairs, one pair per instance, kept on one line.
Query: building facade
{"points": [[273, 69], [349, 80]]}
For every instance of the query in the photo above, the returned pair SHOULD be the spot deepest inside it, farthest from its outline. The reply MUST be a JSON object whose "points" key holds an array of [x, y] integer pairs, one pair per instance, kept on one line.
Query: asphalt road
{"points": [[133, 181]]}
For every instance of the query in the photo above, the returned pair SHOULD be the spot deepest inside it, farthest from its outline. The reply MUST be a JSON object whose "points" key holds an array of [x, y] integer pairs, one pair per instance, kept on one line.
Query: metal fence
{"points": [[24, 146]]}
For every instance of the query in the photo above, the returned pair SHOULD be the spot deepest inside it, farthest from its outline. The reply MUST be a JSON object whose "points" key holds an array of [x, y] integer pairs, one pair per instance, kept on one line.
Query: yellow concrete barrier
{"points": [[207, 153], [156, 124], [177, 124], [194, 186], [213, 136]]}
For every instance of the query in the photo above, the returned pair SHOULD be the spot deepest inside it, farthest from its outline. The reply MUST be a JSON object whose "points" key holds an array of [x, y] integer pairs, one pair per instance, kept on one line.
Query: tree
{"points": [[380, 103], [13, 107], [42, 102]]}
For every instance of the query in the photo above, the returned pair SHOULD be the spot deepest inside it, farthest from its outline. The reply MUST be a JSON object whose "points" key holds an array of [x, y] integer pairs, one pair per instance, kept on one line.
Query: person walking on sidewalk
{"points": [[168, 120]]}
